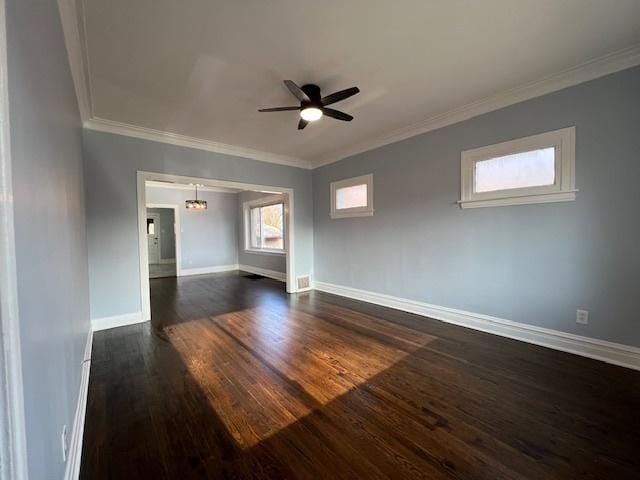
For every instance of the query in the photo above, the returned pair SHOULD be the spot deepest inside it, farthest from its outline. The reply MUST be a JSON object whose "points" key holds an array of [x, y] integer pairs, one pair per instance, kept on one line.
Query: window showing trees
{"points": [[267, 227]]}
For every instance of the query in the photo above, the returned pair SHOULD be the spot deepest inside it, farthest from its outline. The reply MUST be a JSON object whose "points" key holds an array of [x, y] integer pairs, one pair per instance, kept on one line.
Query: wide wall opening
{"points": [[198, 226]]}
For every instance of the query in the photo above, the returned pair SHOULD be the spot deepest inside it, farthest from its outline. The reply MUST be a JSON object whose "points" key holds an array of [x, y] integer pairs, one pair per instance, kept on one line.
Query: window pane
{"points": [[528, 169], [272, 226], [351, 197], [255, 228]]}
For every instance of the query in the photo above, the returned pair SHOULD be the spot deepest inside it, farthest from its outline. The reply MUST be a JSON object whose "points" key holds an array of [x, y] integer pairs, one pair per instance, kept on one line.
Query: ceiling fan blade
{"points": [[297, 91], [302, 123], [330, 112], [339, 96], [278, 109]]}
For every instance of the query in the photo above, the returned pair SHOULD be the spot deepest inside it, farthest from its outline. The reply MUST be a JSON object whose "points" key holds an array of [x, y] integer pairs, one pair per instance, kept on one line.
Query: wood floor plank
{"points": [[233, 378]]}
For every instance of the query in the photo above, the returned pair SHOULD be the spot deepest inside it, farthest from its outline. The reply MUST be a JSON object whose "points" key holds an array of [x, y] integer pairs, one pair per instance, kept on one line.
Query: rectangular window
{"points": [[267, 227], [536, 169], [352, 197], [264, 225]]}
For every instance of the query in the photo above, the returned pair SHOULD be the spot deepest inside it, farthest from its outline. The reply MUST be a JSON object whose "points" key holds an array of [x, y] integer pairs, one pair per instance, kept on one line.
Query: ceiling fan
{"points": [[312, 105]]}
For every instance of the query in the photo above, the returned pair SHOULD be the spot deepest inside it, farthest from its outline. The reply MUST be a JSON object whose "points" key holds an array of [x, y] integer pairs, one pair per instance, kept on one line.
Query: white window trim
{"points": [[562, 190], [262, 202], [356, 211]]}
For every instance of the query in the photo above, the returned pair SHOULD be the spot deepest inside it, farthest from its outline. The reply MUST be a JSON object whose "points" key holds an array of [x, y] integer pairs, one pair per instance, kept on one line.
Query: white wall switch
{"points": [[582, 317]]}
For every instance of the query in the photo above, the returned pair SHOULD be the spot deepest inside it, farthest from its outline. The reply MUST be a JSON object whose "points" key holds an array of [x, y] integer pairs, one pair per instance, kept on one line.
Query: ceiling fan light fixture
{"points": [[313, 106], [311, 114]]}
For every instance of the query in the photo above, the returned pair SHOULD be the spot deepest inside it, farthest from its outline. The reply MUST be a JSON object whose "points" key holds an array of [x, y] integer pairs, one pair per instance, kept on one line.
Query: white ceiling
{"points": [[202, 68]]}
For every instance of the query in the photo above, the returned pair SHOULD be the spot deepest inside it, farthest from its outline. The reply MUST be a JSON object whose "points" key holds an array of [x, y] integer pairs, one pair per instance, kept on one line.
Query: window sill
{"points": [[566, 196], [265, 252], [368, 213]]}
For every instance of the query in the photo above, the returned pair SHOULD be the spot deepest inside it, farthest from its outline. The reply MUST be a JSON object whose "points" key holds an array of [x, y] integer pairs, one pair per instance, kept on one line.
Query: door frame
{"points": [[176, 232], [13, 437], [143, 177]]}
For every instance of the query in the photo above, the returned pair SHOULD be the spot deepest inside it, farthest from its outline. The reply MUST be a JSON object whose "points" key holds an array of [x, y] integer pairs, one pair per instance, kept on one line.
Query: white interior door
{"points": [[153, 237]]}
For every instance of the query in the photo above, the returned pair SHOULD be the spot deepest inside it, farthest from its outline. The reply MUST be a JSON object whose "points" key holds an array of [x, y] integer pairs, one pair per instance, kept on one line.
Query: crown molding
{"points": [[77, 61], [119, 128], [75, 41], [599, 67], [79, 64]]}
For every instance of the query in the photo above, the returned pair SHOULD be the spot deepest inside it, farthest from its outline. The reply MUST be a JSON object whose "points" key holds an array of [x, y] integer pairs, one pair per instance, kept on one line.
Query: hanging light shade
{"points": [[196, 204]]}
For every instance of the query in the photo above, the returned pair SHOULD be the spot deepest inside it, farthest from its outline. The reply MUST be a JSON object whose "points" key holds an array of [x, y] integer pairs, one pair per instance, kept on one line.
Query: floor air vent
{"points": [[304, 282], [253, 276]]}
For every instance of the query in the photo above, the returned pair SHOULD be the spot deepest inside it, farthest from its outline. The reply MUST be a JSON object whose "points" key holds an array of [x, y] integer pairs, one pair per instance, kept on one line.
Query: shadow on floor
{"points": [[234, 378]]}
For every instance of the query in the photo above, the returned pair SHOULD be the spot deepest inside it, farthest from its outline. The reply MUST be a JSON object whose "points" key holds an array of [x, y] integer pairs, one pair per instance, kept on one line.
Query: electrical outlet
{"points": [[582, 317], [63, 439]]}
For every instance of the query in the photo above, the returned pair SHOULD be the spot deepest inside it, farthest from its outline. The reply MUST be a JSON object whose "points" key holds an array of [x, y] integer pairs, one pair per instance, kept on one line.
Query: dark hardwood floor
{"points": [[233, 378]]}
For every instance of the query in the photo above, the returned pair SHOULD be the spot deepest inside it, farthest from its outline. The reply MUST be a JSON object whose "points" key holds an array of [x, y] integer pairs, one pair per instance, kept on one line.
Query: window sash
{"points": [[255, 238], [513, 192], [255, 223], [563, 188], [351, 187], [497, 169], [363, 211]]}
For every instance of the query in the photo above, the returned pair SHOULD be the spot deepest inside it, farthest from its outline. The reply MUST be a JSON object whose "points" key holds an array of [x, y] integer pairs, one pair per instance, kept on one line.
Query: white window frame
{"points": [[562, 190], [264, 202], [365, 211]]}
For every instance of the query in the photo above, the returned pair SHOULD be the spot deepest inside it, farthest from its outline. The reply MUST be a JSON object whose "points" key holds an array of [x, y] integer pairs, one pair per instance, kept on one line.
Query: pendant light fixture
{"points": [[196, 204]]}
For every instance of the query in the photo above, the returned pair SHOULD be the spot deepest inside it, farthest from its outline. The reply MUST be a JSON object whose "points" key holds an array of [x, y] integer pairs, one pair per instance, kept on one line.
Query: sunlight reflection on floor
{"points": [[264, 368]]}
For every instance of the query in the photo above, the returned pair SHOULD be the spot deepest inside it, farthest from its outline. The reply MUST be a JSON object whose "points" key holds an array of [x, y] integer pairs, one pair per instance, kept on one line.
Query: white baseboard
{"points": [[74, 452], [117, 321], [167, 260], [281, 276], [204, 270], [614, 353]]}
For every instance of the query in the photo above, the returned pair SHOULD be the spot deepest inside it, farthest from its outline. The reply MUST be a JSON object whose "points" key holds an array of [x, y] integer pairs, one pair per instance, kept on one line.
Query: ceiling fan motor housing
{"points": [[312, 105], [313, 92]]}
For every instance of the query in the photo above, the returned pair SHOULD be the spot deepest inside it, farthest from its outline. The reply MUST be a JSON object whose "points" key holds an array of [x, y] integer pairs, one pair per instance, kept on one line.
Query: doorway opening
{"points": [[235, 226], [161, 240]]}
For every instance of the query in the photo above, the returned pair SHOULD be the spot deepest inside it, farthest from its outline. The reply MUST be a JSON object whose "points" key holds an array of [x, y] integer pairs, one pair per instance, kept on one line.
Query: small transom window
{"points": [[535, 169], [352, 197]]}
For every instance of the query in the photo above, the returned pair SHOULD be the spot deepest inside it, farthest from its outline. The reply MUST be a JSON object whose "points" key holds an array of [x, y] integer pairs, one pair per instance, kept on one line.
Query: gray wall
{"points": [[529, 263], [209, 238], [270, 261], [111, 163], [166, 232], [51, 249]]}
